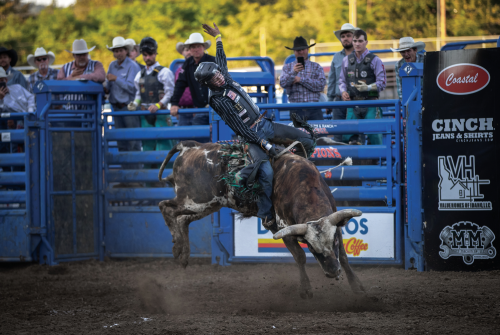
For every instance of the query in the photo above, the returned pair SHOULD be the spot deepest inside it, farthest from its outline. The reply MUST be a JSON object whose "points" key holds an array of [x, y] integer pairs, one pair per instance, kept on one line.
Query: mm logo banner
{"points": [[368, 236]]}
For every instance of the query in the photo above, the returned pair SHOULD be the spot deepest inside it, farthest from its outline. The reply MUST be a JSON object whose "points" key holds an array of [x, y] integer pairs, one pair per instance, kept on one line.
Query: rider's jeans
{"points": [[278, 133]]}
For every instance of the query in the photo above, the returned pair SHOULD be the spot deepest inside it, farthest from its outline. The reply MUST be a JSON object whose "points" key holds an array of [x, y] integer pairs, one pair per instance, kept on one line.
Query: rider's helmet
{"points": [[149, 45], [208, 74]]}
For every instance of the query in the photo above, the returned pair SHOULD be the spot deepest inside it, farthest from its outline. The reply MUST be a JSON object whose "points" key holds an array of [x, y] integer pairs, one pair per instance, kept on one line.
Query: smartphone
{"points": [[301, 60], [3, 84]]}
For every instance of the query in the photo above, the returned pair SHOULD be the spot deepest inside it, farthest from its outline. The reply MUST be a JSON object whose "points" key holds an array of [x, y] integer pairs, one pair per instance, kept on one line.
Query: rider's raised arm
{"points": [[220, 59]]}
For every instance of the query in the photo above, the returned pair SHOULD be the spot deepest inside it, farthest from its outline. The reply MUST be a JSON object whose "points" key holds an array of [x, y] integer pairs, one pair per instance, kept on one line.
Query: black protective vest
{"points": [[242, 103], [151, 88], [360, 71]]}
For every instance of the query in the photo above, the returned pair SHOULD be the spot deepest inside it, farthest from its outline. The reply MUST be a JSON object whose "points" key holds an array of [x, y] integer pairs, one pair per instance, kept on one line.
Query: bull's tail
{"points": [[173, 151]]}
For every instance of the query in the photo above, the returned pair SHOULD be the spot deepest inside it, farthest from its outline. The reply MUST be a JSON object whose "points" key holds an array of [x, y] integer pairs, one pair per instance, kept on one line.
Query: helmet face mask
{"points": [[208, 74]]}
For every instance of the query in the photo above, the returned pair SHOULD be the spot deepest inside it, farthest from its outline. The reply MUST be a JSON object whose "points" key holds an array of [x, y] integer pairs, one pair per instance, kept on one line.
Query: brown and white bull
{"points": [[305, 208]]}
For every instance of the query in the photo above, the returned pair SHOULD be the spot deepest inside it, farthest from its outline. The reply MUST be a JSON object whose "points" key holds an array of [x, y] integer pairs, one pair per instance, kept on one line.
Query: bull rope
{"points": [[287, 149], [347, 161]]}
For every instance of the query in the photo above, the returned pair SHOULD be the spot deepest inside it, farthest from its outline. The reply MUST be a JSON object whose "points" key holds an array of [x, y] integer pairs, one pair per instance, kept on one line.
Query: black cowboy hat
{"points": [[300, 43], [12, 54]]}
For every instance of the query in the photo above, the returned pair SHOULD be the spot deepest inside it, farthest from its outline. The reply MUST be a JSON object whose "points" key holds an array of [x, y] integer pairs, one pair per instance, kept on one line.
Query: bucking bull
{"points": [[305, 208]]}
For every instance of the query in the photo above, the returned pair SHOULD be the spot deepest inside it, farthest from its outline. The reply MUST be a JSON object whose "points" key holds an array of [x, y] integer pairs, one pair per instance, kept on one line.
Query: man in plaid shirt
{"points": [[409, 49], [303, 82], [42, 61]]}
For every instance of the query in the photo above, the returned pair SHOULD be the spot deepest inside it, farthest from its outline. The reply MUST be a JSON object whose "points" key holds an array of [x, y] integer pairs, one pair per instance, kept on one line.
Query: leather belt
{"points": [[258, 120], [364, 98], [120, 105]]}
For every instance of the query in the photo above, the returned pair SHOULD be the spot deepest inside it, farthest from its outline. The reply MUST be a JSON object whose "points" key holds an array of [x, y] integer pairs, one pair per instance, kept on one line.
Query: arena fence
{"points": [[81, 201]]}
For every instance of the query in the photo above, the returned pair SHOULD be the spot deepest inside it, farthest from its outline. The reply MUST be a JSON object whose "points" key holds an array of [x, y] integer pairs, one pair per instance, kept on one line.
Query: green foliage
{"points": [[171, 21]]}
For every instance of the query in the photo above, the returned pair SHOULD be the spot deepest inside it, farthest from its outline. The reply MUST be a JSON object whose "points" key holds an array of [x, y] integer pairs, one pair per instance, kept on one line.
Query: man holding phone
{"points": [[304, 80]]}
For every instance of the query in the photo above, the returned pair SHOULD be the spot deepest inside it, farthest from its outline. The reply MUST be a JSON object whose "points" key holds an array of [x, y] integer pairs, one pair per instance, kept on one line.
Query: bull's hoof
{"points": [[306, 294]]}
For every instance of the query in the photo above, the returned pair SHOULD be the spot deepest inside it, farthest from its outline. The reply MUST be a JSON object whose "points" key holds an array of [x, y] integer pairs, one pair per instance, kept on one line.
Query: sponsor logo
{"points": [[352, 246], [459, 185], [464, 78], [326, 153], [363, 74], [467, 240], [463, 130]]}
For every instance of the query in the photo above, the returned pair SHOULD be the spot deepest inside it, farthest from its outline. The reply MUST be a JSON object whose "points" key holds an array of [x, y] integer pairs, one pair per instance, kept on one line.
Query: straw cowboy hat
{"points": [[39, 53], [80, 47], [120, 42], [197, 38], [180, 46], [12, 54], [406, 43], [346, 27], [130, 41], [300, 43]]}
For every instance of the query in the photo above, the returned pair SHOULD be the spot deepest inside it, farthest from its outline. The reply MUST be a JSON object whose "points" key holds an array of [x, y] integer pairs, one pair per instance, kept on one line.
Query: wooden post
{"points": [[353, 13]]}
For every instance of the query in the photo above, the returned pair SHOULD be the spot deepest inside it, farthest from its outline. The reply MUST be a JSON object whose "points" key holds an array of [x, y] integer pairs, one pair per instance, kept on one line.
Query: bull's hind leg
{"points": [[299, 255], [177, 219], [353, 279]]}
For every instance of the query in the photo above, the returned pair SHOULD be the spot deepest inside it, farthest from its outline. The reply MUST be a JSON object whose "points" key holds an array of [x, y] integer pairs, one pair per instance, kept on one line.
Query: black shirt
{"points": [[199, 93]]}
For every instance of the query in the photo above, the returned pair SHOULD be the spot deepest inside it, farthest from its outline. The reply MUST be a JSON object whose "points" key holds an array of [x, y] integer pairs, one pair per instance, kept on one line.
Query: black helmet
{"points": [[205, 73], [148, 44]]}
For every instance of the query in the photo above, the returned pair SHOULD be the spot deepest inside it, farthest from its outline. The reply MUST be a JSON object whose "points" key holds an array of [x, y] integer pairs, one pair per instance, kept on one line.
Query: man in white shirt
{"points": [[14, 99], [154, 87]]}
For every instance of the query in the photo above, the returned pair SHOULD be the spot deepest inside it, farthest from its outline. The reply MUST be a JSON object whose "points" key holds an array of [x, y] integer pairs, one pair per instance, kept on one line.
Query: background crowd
{"points": [[355, 74]]}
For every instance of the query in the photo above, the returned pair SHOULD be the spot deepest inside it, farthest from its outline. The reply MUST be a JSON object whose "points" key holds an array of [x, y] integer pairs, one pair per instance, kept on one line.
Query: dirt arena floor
{"points": [[157, 297]]}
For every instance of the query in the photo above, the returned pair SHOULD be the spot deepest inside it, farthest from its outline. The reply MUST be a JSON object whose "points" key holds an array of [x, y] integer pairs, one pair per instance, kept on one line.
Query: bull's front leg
{"points": [[299, 255], [352, 278]]}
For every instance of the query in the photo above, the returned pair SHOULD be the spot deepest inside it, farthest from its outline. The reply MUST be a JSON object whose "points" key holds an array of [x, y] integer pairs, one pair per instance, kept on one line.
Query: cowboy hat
{"points": [[120, 42], [406, 43], [12, 54], [131, 42], [80, 47], [300, 43], [180, 46], [39, 52], [346, 27], [197, 38]]}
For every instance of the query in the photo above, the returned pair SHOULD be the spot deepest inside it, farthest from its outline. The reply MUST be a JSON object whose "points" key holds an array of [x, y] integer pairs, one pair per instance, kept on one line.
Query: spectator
{"points": [[8, 59], [154, 87], [134, 52], [82, 67], [42, 61], [186, 100], [409, 49], [303, 84], [362, 77], [14, 99], [345, 35], [199, 94], [120, 85]]}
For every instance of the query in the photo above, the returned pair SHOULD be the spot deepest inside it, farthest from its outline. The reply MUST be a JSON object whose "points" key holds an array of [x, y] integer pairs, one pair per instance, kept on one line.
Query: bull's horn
{"points": [[298, 229], [336, 217]]}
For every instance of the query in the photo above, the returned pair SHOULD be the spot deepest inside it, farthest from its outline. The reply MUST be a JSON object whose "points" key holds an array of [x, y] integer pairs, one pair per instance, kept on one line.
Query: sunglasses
{"points": [[41, 59]]}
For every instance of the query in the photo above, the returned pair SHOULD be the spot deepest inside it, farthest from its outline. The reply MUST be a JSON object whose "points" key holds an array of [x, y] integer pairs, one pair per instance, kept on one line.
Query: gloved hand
{"points": [[268, 148], [365, 88], [132, 106]]}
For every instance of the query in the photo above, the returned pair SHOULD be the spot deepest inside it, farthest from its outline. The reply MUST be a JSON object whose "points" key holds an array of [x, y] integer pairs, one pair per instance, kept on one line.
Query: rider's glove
{"points": [[267, 147], [132, 106]]}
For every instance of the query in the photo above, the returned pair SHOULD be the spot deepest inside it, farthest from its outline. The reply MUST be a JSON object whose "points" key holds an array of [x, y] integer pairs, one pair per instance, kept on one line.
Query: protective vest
{"points": [[243, 105], [151, 88], [360, 71]]}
